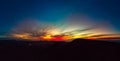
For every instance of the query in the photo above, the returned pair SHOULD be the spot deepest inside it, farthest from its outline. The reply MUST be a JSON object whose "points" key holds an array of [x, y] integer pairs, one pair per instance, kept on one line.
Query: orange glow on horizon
{"points": [[67, 31], [66, 38]]}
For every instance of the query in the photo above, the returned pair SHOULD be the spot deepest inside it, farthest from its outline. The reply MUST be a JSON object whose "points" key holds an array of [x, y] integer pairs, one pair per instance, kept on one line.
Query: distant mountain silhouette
{"points": [[77, 50]]}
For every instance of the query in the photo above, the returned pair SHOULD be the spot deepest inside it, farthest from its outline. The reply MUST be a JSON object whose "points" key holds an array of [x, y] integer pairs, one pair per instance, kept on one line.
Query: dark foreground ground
{"points": [[78, 50]]}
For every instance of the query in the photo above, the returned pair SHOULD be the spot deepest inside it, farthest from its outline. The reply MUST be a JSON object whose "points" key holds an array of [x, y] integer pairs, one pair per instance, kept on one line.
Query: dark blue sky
{"points": [[13, 11]]}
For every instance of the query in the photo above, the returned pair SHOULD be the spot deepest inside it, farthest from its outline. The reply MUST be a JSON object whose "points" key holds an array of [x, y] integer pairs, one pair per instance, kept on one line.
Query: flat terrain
{"points": [[78, 50]]}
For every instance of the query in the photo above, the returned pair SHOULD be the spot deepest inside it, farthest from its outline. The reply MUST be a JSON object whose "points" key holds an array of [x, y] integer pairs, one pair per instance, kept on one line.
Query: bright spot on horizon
{"points": [[67, 31]]}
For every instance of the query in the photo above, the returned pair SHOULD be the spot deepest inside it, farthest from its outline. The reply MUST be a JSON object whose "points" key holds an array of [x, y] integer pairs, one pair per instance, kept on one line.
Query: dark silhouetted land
{"points": [[78, 50]]}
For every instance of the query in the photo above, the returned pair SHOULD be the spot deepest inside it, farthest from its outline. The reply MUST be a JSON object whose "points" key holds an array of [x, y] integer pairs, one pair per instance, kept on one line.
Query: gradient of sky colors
{"points": [[14, 11]]}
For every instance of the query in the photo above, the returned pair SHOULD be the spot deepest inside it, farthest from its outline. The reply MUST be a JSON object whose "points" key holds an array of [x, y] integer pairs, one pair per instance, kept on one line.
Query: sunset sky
{"points": [[14, 11]]}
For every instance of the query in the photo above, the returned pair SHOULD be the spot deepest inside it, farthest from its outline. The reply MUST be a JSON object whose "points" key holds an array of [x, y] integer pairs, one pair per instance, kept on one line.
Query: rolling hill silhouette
{"points": [[79, 49]]}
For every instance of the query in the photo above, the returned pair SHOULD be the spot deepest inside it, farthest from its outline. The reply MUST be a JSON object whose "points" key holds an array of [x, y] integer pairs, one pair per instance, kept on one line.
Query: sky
{"points": [[14, 11]]}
